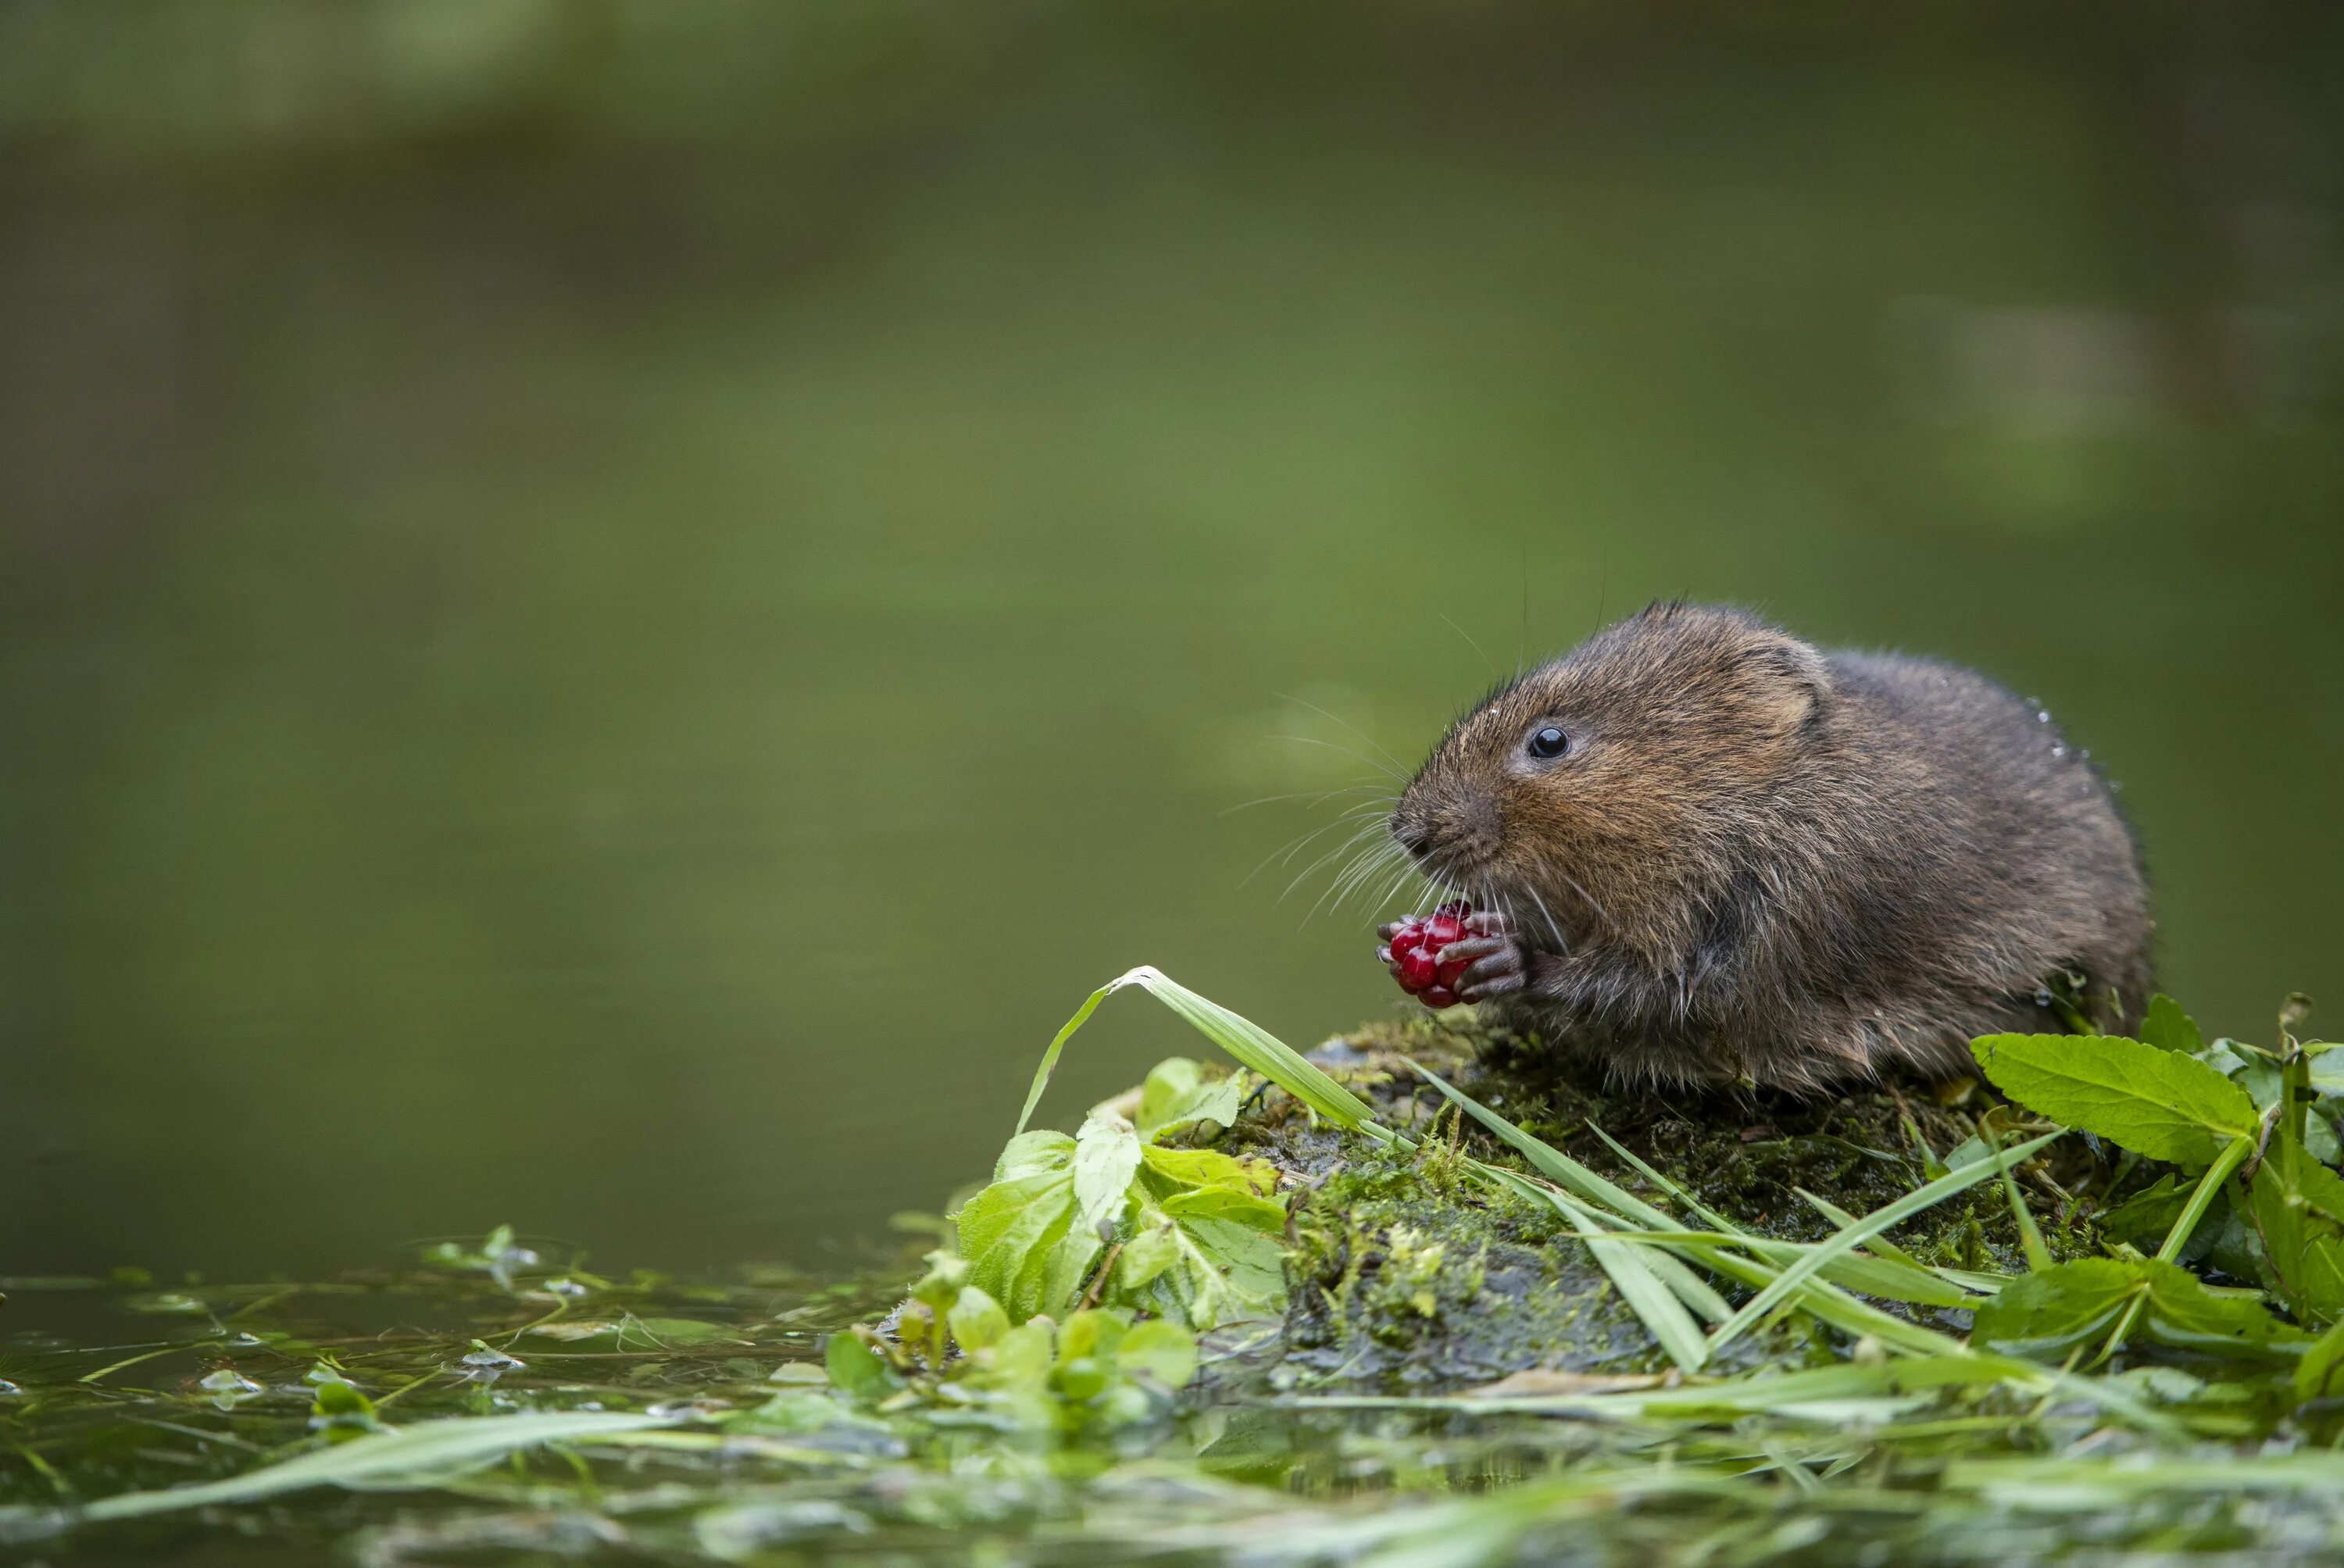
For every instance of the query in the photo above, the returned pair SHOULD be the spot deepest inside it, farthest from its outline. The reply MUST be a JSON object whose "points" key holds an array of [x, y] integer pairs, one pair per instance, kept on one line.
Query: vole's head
{"points": [[1615, 788]]}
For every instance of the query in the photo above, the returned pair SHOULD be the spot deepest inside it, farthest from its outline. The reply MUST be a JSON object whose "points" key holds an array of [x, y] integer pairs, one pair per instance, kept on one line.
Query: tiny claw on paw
{"points": [[1493, 966]]}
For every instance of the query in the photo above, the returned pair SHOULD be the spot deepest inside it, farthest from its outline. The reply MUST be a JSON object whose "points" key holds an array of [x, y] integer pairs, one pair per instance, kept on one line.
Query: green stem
{"points": [[2030, 1235], [2228, 1160]]}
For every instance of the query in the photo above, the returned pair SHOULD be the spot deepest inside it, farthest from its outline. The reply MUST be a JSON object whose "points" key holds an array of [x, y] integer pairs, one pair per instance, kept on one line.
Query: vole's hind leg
{"points": [[1498, 966]]}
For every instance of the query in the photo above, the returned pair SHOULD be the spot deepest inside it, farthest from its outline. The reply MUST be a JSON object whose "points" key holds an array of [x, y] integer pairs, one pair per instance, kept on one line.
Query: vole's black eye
{"points": [[1547, 742]]}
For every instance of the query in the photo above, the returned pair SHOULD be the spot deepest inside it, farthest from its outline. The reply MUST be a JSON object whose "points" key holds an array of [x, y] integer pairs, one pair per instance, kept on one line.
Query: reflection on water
{"points": [[609, 617]]}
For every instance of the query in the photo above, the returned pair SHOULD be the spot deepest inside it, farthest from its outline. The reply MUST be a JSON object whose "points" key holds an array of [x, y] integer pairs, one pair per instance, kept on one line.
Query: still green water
{"points": [[604, 622]]}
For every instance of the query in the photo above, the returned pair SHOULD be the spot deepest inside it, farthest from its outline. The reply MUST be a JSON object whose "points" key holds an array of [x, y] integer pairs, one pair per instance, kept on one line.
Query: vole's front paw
{"points": [[1494, 962]]}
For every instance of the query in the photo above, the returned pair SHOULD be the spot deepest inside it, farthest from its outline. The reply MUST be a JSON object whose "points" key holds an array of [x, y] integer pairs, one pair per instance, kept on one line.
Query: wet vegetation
{"points": [[1413, 1298]]}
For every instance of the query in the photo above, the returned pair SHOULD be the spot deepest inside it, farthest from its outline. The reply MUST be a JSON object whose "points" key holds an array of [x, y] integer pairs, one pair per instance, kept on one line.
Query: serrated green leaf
{"points": [[1106, 1157], [2302, 1242], [1024, 1247], [2157, 1103], [1246, 1208], [2168, 1028], [1177, 1094], [1033, 1154], [1155, 1249], [2056, 1310]]}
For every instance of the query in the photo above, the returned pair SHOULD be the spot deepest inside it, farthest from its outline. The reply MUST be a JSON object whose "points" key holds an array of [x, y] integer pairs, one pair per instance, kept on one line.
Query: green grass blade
{"points": [[1057, 1047], [1631, 1273], [1848, 1238], [1252, 1046], [1256, 1047], [429, 1453], [1551, 1162], [1672, 1188], [1625, 1212]]}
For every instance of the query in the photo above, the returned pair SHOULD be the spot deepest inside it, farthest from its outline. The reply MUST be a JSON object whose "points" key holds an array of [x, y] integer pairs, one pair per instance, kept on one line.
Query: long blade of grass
{"points": [[1672, 1188], [1551, 1162], [1850, 1237], [2030, 1235], [428, 1453], [1625, 1211], [1631, 1273], [1252, 1046]]}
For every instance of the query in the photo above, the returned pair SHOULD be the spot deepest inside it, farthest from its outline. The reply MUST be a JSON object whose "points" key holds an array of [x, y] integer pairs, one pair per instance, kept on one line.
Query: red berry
{"points": [[1416, 946]]}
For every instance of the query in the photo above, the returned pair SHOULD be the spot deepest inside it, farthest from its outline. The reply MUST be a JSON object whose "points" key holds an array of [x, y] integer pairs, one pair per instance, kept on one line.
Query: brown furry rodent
{"points": [[1702, 850]]}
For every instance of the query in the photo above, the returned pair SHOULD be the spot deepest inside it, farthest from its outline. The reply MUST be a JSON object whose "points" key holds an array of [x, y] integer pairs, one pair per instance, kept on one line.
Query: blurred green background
{"points": [[610, 610]]}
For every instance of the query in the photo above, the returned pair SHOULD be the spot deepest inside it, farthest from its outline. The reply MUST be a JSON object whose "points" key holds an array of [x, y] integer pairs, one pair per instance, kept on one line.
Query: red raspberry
{"points": [[1416, 947]]}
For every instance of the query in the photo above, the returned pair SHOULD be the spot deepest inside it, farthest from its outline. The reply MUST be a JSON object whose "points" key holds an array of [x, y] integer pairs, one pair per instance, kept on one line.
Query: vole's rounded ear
{"points": [[1793, 686]]}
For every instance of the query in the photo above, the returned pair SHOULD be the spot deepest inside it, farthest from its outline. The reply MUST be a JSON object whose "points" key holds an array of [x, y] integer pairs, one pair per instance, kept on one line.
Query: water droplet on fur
{"points": [[2042, 995], [2058, 750], [2042, 716]]}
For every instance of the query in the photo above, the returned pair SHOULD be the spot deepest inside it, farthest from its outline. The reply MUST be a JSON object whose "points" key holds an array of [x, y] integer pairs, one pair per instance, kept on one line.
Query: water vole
{"points": [[1705, 850]]}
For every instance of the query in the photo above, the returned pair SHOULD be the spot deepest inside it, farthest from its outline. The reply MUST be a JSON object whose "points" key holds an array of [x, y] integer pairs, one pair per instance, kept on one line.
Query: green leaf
{"points": [[856, 1368], [603, 1335], [2144, 1218], [1155, 1248], [1019, 1361], [1177, 1094], [2157, 1103], [1106, 1157], [1227, 1203], [1034, 1154], [1160, 1349], [2168, 1028], [2302, 1242], [2321, 1374], [1165, 1171], [2056, 1310], [1024, 1247], [977, 1321]]}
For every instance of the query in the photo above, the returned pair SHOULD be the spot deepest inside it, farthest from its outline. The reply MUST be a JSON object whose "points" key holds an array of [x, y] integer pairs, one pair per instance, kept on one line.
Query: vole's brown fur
{"points": [[1762, 862]]}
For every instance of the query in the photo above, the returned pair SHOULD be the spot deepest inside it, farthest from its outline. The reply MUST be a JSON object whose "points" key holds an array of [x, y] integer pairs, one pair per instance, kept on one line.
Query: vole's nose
{"points": [[1413, 833]]}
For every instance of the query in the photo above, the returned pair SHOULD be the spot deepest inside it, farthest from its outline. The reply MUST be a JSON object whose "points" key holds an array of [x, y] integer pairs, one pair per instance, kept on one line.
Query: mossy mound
{"points": [[1406, 1272]]}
